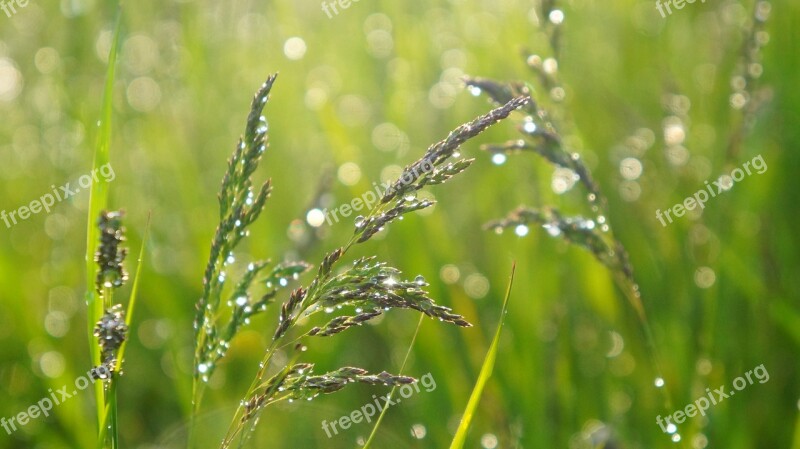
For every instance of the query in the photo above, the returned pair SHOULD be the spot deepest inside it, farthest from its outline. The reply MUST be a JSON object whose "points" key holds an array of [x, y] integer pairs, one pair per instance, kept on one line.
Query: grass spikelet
{"points": [[240, 204]]}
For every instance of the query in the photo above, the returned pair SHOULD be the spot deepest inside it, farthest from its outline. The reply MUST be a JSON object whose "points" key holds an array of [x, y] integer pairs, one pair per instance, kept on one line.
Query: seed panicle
{"points": [[240, 204], [370, 287]]}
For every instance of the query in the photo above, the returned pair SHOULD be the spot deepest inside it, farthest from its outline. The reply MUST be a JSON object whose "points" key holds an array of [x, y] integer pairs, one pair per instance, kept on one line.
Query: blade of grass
{"points": [[121, 354], [134, 292], [98, 200], [391, 393], [486, 372]]}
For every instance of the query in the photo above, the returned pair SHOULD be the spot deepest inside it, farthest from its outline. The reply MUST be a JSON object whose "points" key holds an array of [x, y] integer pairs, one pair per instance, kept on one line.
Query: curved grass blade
{"points": [[485, 374], [98, 200]]}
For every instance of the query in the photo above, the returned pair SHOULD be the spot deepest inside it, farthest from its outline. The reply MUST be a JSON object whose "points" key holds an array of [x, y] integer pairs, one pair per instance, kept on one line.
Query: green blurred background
{"points": [[360, 95]]}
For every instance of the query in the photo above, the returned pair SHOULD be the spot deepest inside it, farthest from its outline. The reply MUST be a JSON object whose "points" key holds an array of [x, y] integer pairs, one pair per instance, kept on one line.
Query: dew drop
{"points": [[262, 125], [499, 159], [552, 229], [529, 127], [419, 280], [456, 154], [283, 282], [240, 301], [474, 90], [659, 382], [556, 17], [418, 431], [521, 230]]}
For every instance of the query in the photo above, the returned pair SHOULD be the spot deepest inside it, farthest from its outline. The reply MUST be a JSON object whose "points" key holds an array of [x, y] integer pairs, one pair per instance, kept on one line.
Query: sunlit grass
{"points": [[185, 74]]}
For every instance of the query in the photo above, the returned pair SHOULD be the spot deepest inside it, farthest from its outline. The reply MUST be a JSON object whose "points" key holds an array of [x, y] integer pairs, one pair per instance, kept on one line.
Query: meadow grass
{"points": [[571, 366]]}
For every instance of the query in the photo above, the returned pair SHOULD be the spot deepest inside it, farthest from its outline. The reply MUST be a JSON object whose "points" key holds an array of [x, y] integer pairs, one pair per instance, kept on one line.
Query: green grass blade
{"points": [[486, 372], [121, 354], [132, 299], [98, 200]]}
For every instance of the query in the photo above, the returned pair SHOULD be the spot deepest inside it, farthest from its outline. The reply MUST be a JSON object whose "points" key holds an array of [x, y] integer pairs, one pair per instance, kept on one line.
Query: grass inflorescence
{"points": [[542, 135], [367, 286]]}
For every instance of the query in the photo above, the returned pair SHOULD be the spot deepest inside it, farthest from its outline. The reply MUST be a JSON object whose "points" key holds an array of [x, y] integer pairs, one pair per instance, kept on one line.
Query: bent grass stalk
{"points": [[542, 137]]}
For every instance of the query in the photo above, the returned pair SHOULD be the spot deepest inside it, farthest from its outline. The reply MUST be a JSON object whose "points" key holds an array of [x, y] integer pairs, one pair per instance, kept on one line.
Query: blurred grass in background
{"points": [[360, 95]]}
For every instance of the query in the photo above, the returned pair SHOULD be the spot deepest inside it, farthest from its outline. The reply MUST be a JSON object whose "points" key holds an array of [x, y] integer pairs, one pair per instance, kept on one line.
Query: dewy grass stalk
{"points": [[98, 199], [107, 326], [368, 286], [542, 137]]}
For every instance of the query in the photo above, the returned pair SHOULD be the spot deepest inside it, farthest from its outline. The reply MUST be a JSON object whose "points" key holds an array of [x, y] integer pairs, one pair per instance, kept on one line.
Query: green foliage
{"points": [[376, 84]]}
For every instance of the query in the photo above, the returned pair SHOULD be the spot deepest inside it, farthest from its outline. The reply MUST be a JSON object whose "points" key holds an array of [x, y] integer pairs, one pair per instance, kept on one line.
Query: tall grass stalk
{"points": [[98, 199], [370, 287]]}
